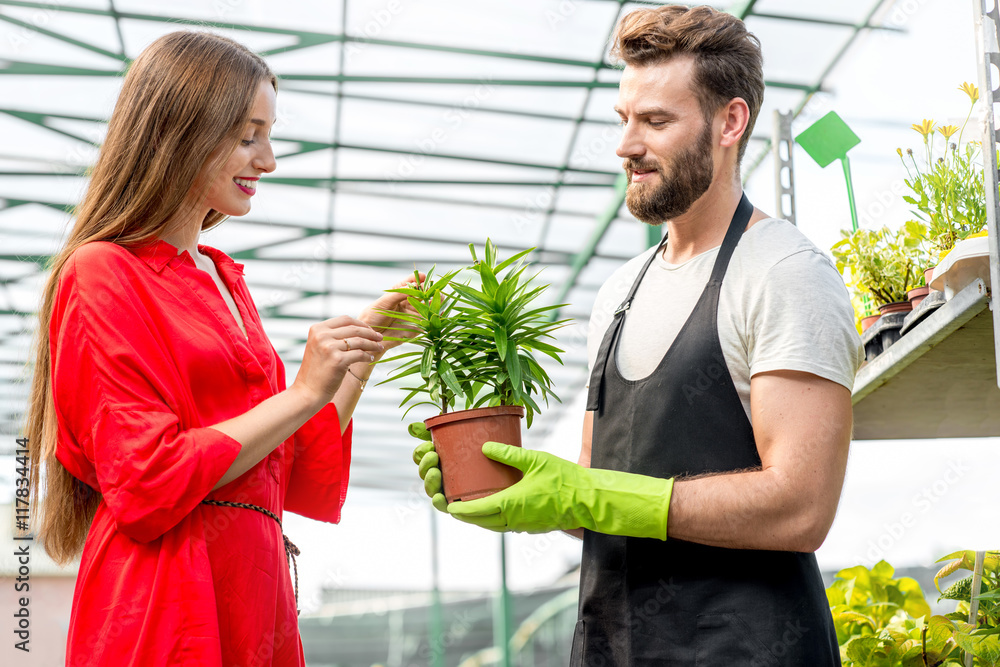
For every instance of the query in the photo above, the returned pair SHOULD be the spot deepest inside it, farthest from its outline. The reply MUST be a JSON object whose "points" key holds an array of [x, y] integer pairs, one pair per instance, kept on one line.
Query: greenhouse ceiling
{"points": [[406, 131]]}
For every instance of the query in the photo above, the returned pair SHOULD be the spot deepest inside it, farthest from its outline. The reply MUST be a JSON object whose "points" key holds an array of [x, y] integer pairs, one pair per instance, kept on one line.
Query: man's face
{"points": [[667, 145]]}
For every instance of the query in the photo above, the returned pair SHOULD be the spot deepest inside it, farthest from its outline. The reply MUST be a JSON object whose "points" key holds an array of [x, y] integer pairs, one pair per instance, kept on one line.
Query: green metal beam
{"points": [[571, 144], [306, 38], [79, 172], [550, 83], [41, 69], [520, 113], [445, 80], [861, 25], [39, 120], [311, 146], [361, 193], [316, 182], [319, 181], [654, 234], [61, 37], [603, 223], [549, 60], [827, 22], [742, 8]]}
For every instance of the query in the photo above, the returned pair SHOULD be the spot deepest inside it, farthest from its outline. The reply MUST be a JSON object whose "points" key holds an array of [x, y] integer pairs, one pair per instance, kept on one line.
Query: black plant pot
{"points": [[872, 341], [880, 336]]}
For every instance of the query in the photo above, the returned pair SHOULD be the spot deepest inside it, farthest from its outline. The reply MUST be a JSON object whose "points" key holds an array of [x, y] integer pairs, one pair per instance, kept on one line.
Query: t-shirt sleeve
{"points": [[802, 320], [119, 431]]}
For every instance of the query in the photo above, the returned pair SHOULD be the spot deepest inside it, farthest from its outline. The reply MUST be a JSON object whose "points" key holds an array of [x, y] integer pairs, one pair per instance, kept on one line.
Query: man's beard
{"points": [[686, 178]]}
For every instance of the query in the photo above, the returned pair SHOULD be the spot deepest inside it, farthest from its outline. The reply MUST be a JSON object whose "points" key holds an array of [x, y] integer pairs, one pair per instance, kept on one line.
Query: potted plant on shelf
{"points": [[883, 265], [948, 187], [476, 343]]}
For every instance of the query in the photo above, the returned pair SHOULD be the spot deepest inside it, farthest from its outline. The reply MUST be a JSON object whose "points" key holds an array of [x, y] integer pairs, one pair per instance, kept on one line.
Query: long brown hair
{"points": [[728, 60], [186, 95]]}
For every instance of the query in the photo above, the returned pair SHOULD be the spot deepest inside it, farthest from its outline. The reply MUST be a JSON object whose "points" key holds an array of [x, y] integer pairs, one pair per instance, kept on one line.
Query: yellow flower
{"points": [[971, 90], [924, 128], [948, 130], [899, 152]]}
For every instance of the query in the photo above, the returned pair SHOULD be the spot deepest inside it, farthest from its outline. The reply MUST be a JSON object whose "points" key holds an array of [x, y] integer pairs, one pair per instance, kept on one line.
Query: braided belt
{"points": [[291, 551]]}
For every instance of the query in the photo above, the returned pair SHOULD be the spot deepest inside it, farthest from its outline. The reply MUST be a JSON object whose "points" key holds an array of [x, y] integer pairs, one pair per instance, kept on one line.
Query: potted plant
{"points": [[948, 187], [883, 263], [476, 344], [883, 266]]}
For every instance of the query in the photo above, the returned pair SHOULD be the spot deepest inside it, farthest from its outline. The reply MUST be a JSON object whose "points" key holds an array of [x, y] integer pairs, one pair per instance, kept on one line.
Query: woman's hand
{"points": [[332, 346], [386, 324]]}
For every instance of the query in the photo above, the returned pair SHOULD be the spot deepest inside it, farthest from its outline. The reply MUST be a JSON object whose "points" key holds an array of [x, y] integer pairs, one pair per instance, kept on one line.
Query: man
{"points": [[719, 412]]}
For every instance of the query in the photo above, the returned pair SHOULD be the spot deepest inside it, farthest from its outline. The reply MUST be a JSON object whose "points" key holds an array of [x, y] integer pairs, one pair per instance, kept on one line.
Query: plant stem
{"points": [[962, 131]]}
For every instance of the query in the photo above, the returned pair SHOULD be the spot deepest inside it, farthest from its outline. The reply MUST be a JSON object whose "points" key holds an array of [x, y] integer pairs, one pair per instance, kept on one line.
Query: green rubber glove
{"points": [[558, 495], [429, 468]]}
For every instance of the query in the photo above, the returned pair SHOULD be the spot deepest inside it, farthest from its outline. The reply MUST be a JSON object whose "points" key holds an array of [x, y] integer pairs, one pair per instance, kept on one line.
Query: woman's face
{"points": [[236, 183]]}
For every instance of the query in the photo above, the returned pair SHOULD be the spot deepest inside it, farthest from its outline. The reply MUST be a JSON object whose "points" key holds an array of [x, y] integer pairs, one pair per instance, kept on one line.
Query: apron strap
{"points": [[597, 374], [736, 226]]}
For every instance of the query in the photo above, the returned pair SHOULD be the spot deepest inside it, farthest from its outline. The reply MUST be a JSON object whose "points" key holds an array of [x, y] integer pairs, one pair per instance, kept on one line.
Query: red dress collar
{"points": [[159, 253]]}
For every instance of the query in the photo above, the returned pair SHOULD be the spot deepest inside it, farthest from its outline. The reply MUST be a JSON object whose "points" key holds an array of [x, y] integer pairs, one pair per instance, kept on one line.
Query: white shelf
{"points": [[938, 381]]}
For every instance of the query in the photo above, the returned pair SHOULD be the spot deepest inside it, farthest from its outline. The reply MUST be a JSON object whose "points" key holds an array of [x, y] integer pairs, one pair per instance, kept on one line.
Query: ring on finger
{"points": [[348, 344]]}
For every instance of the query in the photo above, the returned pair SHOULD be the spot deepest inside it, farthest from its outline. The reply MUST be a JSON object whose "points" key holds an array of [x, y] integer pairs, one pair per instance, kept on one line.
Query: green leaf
{"points": [[915, 604], [854, 617], [491, 253], [882, 570], [427, 362], [862, 650], [514, 371], [510, 260], [500, 336], [448, 375]]}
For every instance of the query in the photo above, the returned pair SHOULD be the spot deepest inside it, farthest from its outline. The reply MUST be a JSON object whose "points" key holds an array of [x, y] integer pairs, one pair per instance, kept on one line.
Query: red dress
{"points": [[146, 356]]}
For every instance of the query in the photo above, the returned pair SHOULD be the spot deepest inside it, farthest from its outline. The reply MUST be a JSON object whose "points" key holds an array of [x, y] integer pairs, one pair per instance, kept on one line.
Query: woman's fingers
{"points": [[345, 325], [348, 334], [364, 332], [374, 316]]}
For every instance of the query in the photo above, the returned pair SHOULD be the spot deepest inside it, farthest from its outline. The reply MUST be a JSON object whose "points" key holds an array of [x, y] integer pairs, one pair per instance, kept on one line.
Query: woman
{"points": [[159, 407]]}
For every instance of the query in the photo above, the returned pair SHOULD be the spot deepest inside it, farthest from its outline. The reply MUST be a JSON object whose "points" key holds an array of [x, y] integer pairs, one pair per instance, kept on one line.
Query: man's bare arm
{"points": [[584, 460], [802, 425]]}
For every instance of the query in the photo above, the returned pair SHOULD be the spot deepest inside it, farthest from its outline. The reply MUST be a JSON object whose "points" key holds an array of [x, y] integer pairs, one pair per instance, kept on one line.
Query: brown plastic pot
{"points": [[895, 307], [917, 295], [928, 274], [458, 439], [868, 321]]}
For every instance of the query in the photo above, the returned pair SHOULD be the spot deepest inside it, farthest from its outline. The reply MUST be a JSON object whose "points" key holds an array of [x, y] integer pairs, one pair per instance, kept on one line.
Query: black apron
{"points": [[649, 602]]}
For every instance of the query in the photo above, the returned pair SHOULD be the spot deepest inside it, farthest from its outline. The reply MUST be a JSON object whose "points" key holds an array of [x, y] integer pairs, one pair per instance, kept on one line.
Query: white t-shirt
{"points": [[783, 306]]}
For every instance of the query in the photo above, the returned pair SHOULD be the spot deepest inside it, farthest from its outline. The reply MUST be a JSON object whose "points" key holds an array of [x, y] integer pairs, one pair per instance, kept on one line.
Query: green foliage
{"points": [[989, 592], [949, 193], [882, 262], [948, 196], [886, 622], [478, 339]]}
